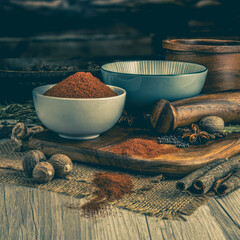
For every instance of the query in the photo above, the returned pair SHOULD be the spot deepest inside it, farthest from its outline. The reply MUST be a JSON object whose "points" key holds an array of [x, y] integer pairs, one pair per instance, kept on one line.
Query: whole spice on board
{"points": [[203, 184], [184, 137], [212, 124], [81, 85], [197, 136], [187, 182], [228, 185], [110, 187], [173, 139], [216, 187], [31, 159], [62, 164], [138, 120], [212, 175], [143, 147], [43, 172]]}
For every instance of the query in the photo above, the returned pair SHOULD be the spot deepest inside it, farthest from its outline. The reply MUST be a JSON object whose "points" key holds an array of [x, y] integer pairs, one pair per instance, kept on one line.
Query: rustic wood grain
{"points": [[221, 57], [98, 151], [228, 225], [183, 112], [208, 222], [230, 204], [27, 213], [201, 225]]}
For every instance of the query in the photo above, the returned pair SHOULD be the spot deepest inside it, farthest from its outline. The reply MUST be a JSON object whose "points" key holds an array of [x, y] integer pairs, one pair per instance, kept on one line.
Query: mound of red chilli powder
{"points": [[143, 147], [80, 85]]}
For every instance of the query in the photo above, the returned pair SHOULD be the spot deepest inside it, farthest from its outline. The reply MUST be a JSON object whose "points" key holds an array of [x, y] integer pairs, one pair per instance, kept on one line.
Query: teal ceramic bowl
{"points": [[148, 81]]}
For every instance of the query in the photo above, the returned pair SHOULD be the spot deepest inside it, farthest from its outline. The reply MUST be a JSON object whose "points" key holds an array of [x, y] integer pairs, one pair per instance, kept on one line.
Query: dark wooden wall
{"points": [[73, 28]]}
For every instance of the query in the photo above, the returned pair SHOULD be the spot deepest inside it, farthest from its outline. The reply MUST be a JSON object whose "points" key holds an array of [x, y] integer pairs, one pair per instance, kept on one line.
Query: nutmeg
{"points": [[62, 164], [212, 124], [30, 160], [43, 172]]}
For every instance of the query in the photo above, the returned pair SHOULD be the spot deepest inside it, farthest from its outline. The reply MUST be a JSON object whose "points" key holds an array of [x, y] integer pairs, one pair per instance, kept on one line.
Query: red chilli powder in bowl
{"points": [[81, 85]]}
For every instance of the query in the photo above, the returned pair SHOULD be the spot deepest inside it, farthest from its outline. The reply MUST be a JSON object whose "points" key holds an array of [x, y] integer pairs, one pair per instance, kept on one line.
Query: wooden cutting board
{"points": [[98, 151]]}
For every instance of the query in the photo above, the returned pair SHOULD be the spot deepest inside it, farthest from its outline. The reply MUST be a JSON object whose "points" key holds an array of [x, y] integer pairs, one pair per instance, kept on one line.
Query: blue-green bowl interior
{"points": [[154, 67], [148, 81]]}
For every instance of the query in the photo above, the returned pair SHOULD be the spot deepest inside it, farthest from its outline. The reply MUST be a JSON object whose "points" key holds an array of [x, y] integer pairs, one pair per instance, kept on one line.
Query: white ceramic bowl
{"points": [[82, 118]]}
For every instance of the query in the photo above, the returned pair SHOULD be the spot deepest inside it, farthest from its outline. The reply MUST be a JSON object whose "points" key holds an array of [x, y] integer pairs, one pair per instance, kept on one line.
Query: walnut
{"points": [[62, 164], [30, 160], [212, 124], [43, 172]]}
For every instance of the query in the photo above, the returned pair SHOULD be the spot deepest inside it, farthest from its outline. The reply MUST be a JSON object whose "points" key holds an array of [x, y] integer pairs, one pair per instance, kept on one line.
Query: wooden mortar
{"points": [[221, 57], [168, 116]]}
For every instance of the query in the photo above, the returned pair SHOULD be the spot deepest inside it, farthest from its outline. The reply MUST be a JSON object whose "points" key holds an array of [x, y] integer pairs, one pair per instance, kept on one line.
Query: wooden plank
{"points": [[231, 206], [228, 226], [219, 219], [201, 225], [27, 213], [98, 151]]}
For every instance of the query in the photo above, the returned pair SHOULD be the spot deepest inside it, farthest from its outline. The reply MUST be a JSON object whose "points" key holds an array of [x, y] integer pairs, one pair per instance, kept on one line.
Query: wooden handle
{"points": [[168, 116]]}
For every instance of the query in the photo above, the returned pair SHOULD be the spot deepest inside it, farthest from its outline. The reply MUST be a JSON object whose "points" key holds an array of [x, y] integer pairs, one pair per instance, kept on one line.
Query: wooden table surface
{"points": [[28, 213]]}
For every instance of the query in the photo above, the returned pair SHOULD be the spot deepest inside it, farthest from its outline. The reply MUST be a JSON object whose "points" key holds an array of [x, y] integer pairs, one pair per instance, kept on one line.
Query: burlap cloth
{"points": [[152, 195]]}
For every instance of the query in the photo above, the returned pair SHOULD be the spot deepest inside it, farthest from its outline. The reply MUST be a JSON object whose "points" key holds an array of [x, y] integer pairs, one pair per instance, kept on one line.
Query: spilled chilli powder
{"points": [[109, 187]]}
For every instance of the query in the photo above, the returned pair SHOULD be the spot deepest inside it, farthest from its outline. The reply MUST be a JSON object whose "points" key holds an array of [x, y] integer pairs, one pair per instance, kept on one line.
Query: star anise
{"points": [[196, 135]]}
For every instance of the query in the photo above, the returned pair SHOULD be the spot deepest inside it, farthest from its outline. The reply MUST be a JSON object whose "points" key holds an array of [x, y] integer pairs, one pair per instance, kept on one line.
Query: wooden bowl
{"points": [[221, 57], [18, 79]]}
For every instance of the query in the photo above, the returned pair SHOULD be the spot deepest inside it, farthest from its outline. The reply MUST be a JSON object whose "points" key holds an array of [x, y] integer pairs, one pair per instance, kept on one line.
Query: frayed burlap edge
{"points": [[153, 196]]}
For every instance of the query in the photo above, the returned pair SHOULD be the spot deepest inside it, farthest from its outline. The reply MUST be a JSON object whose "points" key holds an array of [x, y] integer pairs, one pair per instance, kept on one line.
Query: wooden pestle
{"points": [[167, 116]]}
